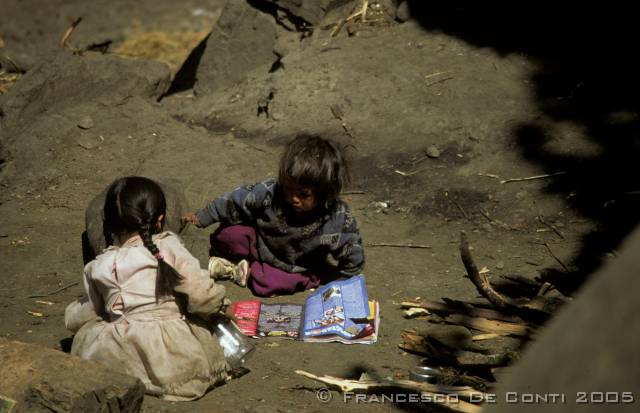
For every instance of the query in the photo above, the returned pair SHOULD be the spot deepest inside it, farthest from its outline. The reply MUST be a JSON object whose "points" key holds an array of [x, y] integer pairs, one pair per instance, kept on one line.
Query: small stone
{"points": [[522, 195], [403, 13], [88, 142], [500, 265], [85, 123], [433, 152]]}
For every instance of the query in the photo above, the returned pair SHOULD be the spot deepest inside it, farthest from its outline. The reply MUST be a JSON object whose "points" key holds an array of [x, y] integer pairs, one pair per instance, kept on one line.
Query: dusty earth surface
{"points": [[436, 105]]}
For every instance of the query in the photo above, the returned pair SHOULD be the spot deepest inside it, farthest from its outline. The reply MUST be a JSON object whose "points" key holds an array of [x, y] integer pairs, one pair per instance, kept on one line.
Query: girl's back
{"points": [[125, 278]]}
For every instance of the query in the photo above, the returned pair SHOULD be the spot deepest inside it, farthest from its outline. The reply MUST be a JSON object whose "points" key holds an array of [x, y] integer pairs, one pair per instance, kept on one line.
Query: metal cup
{"points": [[425, 374]]}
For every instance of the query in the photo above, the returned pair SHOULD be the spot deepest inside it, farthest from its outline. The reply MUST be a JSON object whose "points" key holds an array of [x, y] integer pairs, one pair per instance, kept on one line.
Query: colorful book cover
{"points": [[339, 311]]}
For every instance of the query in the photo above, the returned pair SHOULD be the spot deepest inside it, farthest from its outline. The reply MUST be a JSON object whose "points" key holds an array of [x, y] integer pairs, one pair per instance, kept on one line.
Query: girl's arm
{"points": [[83, 310], [236, 207], [350, 255], [204, 297], [349, 251]]}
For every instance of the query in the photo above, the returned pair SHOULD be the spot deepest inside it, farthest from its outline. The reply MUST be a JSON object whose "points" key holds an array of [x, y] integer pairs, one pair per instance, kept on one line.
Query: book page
{"points": [[245, 314], [280, 320], [339, 308]]}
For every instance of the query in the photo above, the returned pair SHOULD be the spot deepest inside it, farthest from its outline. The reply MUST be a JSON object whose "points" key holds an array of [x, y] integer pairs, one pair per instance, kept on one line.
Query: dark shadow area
{"points": [[356, 370], [88, 254], [586, 77], [65, 344], [186, 77]]}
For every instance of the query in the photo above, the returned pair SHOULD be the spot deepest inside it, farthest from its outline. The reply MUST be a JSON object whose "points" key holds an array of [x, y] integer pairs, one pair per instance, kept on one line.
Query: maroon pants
{"points": [[239, 242]]}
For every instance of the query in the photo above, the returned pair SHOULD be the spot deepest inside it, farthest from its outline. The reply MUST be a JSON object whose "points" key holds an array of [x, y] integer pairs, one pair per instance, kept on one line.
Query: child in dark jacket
{"points": [[287, 227]]}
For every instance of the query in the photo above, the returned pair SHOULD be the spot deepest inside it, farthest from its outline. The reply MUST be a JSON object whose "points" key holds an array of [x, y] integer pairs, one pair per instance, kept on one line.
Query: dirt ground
{"points": [[436, 112]]}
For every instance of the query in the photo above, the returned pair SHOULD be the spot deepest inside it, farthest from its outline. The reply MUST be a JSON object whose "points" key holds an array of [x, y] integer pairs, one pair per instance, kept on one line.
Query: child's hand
{"points": [[192, 219]]}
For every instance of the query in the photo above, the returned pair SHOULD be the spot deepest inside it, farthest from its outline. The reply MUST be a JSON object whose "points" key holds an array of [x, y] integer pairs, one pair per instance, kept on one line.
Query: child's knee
{"points": [[234, 240]]}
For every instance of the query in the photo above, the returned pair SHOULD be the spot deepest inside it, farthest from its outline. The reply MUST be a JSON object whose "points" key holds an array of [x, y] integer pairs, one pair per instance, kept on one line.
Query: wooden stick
{"points": [[528, 178], [566, 269], [414, 312], [353, 193], [337, 28], [490, 326], [461, 308], [352, 14], [68, 32], [436, 74], [456, 203], [54, 292], [433, 349], [553, 228], [494, 176], [485, 214], [369, 386], [439, 81], [365, 5], [531, 178], [336, 111], [481, 281], [471, 359], [388, 244], [545, 288], [485, 336], [406, 173]]}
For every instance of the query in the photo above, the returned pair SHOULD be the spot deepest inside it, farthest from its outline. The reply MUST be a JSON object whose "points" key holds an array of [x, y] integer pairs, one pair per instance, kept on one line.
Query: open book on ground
{"points": [[339, 311]]}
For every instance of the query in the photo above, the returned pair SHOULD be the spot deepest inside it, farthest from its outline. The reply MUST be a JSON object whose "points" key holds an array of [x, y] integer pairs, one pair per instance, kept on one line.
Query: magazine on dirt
{"points": [[339, 311]]}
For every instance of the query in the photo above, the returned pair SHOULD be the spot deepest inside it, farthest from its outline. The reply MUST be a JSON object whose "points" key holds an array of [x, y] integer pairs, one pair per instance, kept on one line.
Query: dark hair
{"points": [[317, 163], [134, 204]]}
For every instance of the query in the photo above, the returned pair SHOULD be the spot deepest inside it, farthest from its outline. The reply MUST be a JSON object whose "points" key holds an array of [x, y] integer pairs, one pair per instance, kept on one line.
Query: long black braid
{"points": [[135, 204]]}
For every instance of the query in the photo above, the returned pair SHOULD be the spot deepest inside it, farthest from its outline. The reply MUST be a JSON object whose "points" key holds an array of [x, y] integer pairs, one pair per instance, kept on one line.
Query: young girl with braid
{"points": [[147, 301], [287, 227]]}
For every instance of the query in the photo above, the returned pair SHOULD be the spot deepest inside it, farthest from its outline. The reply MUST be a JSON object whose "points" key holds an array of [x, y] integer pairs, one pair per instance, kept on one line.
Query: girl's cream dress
{"points": [[119, 322]]}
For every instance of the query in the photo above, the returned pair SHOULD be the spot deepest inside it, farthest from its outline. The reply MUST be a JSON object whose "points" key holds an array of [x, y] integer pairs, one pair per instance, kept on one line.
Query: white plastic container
{"points": [[235, 345]]}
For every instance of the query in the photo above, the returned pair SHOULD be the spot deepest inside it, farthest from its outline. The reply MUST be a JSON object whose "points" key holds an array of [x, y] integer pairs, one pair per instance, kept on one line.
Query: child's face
{"points": [[301, 198]]}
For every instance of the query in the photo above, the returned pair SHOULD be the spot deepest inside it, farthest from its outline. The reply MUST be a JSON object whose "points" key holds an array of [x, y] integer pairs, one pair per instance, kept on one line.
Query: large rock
{"points": [[40, 379], [589, 353], [94, 237], [242, 40], [39, 115], [311, 11], [30, 29], [62, 79]]}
